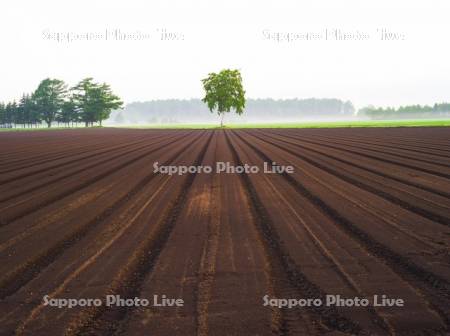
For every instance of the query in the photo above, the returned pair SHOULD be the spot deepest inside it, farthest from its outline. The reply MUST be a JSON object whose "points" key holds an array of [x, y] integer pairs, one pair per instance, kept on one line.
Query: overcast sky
{"points": [[208, 35]]}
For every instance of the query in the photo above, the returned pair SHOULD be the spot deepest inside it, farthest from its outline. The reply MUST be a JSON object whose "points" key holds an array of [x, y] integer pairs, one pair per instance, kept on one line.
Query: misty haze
{"points": [[182, 111], [256, 110]]}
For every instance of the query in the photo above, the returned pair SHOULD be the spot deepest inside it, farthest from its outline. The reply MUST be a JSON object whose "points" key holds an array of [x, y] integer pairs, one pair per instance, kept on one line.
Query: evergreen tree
{"points": [[49, 98], [94, 101]]}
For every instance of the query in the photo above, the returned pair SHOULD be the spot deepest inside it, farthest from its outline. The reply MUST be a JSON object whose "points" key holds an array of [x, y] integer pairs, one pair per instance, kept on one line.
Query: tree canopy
{"points": [[95, 101], [49, 98], [224, 92]]}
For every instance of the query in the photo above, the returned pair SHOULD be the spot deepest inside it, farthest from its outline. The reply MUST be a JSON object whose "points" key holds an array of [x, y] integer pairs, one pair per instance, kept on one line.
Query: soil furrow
{"points": [[436, 288], [128, 284], [285, 267], [436, 217], [14, 280]]}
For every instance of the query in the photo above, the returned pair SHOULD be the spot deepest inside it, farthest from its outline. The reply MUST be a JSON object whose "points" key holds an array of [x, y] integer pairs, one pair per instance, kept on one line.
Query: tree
{"points": [[2, 115], [95, 101], [19, 114], [10, 114], [83, 101], [106, 101], [27, 110], [68, 112], [224, 92], [49, 98]]}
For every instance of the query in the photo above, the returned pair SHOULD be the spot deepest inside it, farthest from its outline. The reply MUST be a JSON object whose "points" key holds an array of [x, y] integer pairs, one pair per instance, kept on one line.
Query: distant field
{"points": [[336, 124], [20, 129], [383, 123]]}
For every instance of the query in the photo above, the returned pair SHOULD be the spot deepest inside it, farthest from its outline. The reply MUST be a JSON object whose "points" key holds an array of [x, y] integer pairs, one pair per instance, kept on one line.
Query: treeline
{"points": [[406, 112], [194, 110], [88, 102]]}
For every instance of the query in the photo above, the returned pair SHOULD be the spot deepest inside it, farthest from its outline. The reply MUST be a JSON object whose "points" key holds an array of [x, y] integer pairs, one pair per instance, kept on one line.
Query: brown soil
{"points": [[366, 212]]}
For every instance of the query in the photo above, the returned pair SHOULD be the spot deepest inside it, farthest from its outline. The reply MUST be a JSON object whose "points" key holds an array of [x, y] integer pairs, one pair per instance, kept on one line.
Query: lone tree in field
{"points": [[224, 92]]}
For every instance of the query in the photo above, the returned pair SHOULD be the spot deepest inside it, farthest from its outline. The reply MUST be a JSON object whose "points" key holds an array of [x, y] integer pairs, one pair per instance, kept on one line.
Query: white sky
{"points": [[229, 34]]}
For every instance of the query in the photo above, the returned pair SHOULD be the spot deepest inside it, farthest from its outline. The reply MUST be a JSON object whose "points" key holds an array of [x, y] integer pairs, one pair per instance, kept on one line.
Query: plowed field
{"points": [[366, 212]]}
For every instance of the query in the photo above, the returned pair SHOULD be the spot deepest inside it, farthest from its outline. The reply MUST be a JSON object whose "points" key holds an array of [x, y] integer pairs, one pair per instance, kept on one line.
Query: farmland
{"points": [[366, 212]]}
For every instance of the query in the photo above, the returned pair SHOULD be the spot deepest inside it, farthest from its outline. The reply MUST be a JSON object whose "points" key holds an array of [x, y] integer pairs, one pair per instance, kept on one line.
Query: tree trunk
{"points": [[221, 119]]}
